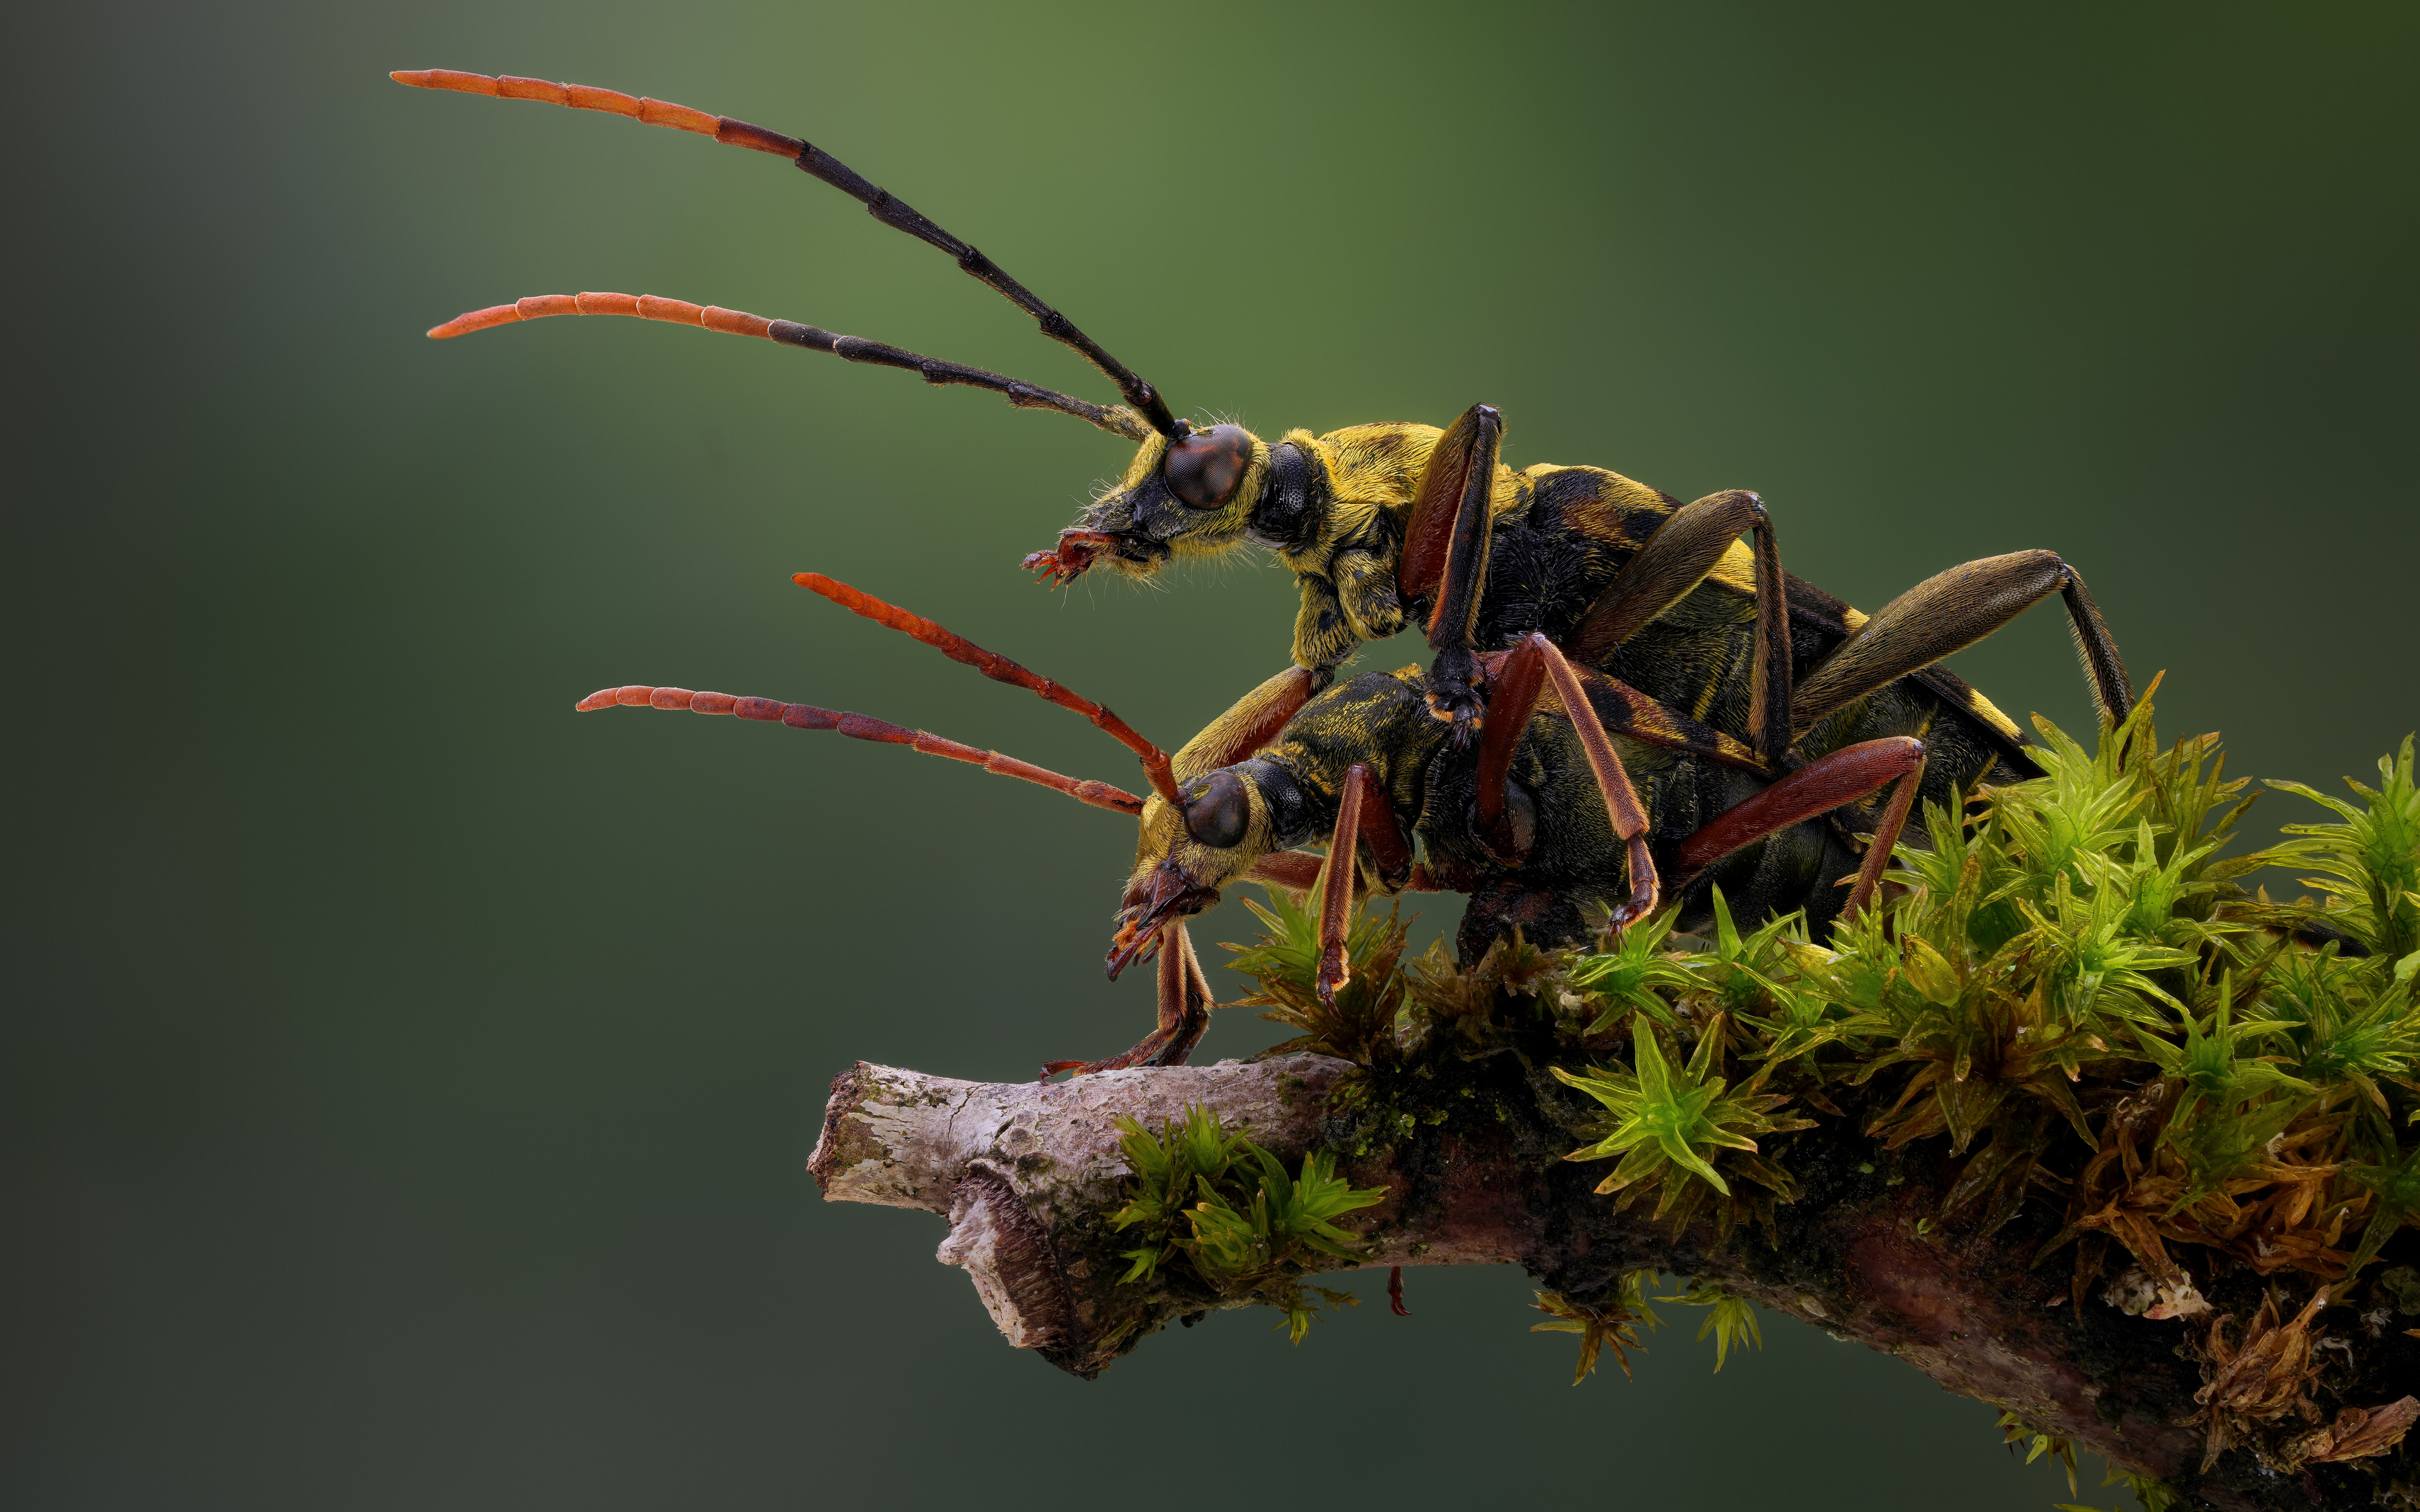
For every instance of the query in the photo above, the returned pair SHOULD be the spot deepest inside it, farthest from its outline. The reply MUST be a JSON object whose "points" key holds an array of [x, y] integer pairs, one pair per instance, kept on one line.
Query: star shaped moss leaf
{"points": [[1667, 1126]]}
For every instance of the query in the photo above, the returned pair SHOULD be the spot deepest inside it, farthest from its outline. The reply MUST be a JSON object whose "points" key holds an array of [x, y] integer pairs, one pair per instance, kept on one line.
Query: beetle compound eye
{"points": [[1220, 812], [1204, 469]]}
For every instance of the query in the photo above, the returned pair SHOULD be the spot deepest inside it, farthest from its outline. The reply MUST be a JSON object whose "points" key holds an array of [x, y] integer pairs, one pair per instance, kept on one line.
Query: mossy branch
{"points": [[2075, 1124]]}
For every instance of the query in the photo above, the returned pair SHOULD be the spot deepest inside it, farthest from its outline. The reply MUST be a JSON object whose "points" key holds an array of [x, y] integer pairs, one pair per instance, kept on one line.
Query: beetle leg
{"points": [[1390, 852], [1622, 805], [1294, 871], [1819, 787], [1185, 1005], [1951, 612], [1336, 880], [1512, 698], [1252, 723], [1673, 562], [1444, 553], [1362, 814]]}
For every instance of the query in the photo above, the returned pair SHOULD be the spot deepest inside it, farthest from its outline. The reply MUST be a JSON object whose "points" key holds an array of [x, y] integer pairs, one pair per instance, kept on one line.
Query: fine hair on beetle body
{"points": [[1598, 652]]}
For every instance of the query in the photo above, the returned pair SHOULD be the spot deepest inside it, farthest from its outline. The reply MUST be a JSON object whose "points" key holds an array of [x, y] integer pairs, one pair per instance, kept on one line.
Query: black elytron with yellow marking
{"points": [[1718, 657], [1758, 704], [1564, 870]]}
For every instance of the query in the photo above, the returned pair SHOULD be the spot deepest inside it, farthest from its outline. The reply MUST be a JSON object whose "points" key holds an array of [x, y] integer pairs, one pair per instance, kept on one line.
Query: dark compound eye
{"points": [[1220, 812], [1203, 469]]}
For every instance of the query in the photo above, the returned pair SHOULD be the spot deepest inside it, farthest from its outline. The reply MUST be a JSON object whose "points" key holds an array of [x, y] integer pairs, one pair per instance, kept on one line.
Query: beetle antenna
{"points": [[1116, 419], [998, 669], [879, 202], [858, 727]]}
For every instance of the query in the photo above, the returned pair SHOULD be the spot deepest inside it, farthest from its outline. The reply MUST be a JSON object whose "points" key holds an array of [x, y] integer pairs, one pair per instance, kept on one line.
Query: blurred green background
{"points": [[406, 1083]]}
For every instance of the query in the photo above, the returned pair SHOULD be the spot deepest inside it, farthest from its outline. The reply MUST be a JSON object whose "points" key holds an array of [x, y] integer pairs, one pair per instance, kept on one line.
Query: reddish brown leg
{"points": [[1294, 871], [1185, 1005], [1817, 788], [1683, 549], [1510, 700], [1362, 814], [1337, 880], [1252, 723], [1395, 1292], [1390, 852], [1622, 805], [1878, 850], [1299, 872], [1446, 546]]}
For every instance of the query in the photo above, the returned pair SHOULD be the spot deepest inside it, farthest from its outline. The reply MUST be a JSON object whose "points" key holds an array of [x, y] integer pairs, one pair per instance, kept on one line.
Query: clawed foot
{"points": [[1161, 1047], [1395, 1292], [1140, 1055], [1454, 695]]}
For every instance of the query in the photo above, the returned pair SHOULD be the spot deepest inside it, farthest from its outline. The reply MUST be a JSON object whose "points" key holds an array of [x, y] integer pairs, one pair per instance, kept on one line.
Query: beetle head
{"points": [[1178, 870], [1193, 495]]}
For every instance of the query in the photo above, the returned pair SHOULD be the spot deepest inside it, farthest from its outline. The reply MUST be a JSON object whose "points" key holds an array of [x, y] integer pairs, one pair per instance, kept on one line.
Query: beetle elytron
{"points": [[1666, 640]]}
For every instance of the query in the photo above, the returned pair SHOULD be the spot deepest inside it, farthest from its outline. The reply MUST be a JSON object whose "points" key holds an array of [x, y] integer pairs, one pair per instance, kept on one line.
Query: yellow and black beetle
{"points": [[1666, 640]]}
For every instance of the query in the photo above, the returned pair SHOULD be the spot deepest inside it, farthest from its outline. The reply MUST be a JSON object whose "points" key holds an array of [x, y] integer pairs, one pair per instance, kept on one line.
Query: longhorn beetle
{"points": [[1391, 523], [1522, 578], [1540, 821]]}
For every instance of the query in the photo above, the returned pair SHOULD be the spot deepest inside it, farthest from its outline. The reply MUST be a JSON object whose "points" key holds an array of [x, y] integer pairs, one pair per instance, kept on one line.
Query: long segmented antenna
{"points": [[879, 202], [1119, 419], [998, 669], [858, 727]]}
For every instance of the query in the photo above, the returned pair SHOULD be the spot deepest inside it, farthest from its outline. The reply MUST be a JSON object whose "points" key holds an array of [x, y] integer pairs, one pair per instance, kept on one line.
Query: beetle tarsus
{"points": [[1455, 696]]}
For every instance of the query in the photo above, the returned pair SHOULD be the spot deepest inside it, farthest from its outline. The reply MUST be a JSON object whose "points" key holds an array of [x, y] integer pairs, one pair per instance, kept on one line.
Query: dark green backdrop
{"points": [[407, 1082]]}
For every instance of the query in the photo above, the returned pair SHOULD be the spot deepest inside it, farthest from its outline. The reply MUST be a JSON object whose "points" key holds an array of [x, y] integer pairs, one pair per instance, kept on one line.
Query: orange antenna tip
{"points": [[602, 699], [611, 102], [469, 83], [644, 306], [463, 325]]}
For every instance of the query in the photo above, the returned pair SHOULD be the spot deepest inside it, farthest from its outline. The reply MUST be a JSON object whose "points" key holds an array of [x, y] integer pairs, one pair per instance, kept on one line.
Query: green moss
{"points": [[1666, 1126], [1610, 1322], [1731, 1318], [2068, 993], [1224, 1211]]}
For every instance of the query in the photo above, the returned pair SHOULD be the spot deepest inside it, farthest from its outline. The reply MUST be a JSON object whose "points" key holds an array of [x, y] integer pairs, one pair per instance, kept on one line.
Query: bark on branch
{"points": [[1030, 1175]]}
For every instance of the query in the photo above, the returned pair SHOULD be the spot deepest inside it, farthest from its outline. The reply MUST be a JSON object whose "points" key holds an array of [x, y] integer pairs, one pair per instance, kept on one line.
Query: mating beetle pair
{"points": [[1623, 700]]}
